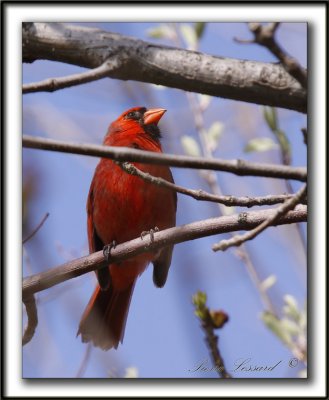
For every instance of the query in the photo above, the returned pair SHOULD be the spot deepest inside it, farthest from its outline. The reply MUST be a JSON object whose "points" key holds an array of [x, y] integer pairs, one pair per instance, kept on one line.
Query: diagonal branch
{"points": [[195, 230], [238, 167], [53, 84], [229, 201], [250, 81], [279, 212]]}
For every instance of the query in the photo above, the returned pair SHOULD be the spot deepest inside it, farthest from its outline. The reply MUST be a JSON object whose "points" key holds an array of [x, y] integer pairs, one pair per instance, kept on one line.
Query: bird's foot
{"points": [[103, 274], [107, 250], [151, 233]]}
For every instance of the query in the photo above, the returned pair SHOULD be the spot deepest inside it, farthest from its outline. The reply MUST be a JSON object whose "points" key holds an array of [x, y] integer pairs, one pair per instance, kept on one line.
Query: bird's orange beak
{"points": [[153, 115]]}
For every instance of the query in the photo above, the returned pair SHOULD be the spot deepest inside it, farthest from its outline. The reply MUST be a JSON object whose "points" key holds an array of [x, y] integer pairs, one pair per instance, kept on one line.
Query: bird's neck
{"points": [[130, 138]]}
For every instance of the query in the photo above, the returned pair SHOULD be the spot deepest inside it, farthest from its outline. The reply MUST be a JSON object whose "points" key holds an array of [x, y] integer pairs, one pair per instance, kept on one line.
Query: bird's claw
{"points": [[107, 250], [151, 233]]}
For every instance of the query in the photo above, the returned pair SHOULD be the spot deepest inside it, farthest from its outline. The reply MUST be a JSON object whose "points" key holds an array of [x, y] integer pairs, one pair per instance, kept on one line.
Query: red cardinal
{"points": [[120, 207]]}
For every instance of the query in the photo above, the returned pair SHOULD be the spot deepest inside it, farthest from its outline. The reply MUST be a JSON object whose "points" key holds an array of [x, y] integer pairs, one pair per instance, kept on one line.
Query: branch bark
{"points": [[201, 195], [195, 230], [249, 81], [53, 84], [280, 211], [238, 167], [265, 36]]}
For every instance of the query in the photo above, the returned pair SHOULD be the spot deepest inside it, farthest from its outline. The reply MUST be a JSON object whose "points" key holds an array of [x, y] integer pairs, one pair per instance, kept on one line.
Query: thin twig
{"points": [[202, 195], [32, 318], [212, 342], [285, 150], [244, 254], [238, 167], [37, 228], [264, 35], [84, 362], [278, 213], [53, 84], [211, 320], [194, 230]]}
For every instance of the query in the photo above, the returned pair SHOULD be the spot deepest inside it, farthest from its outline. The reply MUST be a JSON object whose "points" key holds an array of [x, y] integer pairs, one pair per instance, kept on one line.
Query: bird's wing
{"points": [[162, 263], [95, 242]]}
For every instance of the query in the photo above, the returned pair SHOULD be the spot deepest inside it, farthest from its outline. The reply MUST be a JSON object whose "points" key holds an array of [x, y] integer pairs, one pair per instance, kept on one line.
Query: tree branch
{"points": [[265, 36], [53, 84], [195, 230], [250, 81], [238, 167], [229, 201], [37, 228], [279, 212], [211, 320], [32, 318]]}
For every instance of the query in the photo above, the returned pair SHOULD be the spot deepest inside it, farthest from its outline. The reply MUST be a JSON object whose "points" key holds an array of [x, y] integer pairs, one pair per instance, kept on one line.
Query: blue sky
{"points": [[163, 337]]}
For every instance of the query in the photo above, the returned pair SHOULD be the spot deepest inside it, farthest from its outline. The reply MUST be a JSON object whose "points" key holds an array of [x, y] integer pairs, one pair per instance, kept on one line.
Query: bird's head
{"points": [[139, 120]]}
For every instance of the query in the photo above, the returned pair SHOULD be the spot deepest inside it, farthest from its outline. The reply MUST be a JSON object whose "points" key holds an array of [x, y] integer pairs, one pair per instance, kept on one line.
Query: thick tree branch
{"points": [[238, 167], [250, 81], [279, 212], [52, 84], [229, 201], [195, 230]]}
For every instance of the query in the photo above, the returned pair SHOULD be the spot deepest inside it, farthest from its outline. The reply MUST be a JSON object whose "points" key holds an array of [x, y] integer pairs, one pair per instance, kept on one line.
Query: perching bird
{"points": [[119, 208]]}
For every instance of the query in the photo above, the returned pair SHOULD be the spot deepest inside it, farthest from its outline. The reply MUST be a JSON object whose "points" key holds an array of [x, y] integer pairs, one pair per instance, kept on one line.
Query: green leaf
{"points": [[303, 320], [284, 143], [199, 298], [189, 36], [291, 308], [290, 326], [274, 324], [271, 117], [190, 146], [260, 144], [162, 32], [199, 28], [227, 211], [213, 135], [268, 282], [131, 372]]}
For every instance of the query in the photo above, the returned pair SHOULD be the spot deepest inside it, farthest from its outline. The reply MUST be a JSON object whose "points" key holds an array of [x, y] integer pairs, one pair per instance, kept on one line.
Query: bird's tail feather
{"points": [[104, 319]]}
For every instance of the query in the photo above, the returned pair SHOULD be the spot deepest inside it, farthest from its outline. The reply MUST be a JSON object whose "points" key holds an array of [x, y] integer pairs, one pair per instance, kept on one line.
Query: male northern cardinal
{"points": [[121, 207]]}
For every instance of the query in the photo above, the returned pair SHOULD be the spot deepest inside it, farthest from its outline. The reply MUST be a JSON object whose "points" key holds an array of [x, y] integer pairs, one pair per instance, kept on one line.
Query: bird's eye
{"points": [[133, 115], [136, 114]]}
